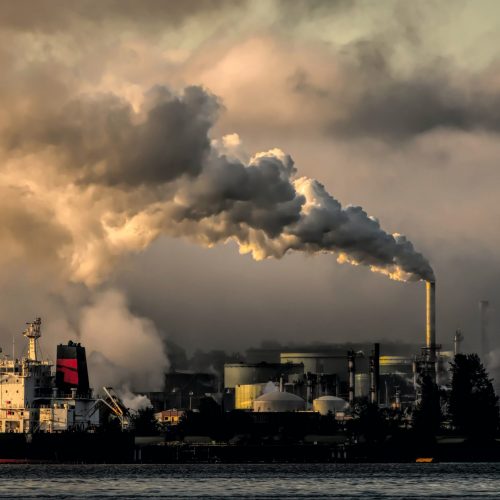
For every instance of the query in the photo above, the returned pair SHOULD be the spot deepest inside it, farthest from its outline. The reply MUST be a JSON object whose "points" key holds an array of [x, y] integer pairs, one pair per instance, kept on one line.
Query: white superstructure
{"points": [[29, 399]]}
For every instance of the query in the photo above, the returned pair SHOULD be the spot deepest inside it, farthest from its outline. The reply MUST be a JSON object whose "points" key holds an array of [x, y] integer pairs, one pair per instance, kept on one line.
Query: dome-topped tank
{"points": [[278, 402], [332, 404]]}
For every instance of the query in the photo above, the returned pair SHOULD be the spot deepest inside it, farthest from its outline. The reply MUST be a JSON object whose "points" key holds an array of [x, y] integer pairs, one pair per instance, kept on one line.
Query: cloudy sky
{"points": [[195, 170]]}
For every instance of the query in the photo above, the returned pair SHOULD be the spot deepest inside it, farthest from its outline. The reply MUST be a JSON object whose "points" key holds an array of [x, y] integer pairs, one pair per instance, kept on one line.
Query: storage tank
{"points": [[396, 365], [326, 404], [362, 385], [246, 394], [278, 402], [318, 362], [257, 373]]}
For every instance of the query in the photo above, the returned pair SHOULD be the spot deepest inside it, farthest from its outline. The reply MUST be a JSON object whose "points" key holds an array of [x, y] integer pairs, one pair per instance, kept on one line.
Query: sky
{"points": [[195, 171]]}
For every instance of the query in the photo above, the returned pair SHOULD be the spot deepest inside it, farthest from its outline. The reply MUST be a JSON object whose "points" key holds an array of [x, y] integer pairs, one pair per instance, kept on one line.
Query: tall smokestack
{"points": [[430, 331], [375, 374]]}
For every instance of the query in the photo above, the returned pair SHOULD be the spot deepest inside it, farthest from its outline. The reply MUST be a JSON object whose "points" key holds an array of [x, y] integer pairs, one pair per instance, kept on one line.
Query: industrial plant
{"points": [[324, 403], [332, 378], [318, 404]]}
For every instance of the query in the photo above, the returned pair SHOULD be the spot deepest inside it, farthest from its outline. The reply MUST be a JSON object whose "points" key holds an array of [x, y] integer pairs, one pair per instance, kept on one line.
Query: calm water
{"points": [[251, 481]]}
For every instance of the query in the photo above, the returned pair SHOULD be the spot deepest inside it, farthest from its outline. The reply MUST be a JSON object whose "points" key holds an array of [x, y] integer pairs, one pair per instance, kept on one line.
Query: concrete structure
{"points": [[329, 404], [279, 402], [257, 373]]}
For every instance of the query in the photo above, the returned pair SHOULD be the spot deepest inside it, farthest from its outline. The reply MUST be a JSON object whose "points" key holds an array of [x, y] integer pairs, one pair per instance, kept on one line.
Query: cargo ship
{"points": [[49, 413]]}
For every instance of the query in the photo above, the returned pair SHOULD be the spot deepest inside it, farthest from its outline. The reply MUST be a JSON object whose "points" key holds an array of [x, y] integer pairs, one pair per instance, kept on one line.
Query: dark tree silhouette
{"points": [[473, 404], [370, 423], [144, 423], [427, 417]]}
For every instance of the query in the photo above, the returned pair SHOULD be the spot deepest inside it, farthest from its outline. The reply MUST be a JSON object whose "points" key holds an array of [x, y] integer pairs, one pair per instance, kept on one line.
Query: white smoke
{"points": [[133, 401], [123, 350]]}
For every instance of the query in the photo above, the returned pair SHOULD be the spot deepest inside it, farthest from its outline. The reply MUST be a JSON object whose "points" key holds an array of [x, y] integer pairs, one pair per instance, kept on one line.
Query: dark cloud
{"points": [[101, 141], [401, 109], [378, 101], [59, 15]]}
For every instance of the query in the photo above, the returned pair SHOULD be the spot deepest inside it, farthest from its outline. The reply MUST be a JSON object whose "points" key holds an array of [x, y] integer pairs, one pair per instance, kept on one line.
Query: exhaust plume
{"points": [[113, 180]]}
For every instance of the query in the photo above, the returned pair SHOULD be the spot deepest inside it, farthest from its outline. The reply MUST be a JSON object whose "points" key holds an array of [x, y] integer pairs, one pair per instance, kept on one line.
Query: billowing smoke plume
{"points": [[124, 351], [112, 179]]}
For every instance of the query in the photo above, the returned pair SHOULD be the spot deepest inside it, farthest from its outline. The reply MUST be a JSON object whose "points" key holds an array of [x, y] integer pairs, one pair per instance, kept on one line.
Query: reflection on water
{"points": [[251, 481]]}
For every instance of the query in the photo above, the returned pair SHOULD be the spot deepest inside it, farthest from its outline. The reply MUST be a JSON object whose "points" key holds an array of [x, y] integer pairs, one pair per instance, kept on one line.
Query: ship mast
{"points": [[32, 333]]}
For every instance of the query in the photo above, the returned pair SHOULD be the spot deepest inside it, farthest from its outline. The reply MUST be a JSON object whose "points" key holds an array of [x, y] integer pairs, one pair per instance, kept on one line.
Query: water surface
{"points": [[349, 481]]}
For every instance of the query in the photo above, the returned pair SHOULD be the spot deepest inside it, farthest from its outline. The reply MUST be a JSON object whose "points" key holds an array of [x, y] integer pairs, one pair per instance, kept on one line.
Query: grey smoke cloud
{"points": [[101, 143], [189, 189]]}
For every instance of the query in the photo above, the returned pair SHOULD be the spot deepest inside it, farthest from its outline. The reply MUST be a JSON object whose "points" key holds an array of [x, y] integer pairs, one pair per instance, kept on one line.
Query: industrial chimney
{"points": [[375, 374], [351, 366], [430, 331]]}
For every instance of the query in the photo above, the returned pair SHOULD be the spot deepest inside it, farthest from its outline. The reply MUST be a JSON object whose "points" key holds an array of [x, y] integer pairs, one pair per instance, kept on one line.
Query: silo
{"points": [[256, 373], [362, 385], [246, 394], [396, 365], [326, 404], [318, 362], [279, 402]]}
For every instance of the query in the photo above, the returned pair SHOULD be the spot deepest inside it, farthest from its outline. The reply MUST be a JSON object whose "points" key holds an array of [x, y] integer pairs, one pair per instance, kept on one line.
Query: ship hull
{"points": [[67, 447]]}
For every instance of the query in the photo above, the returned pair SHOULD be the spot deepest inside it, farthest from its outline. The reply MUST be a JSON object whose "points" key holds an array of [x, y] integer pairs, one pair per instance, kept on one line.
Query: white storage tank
{"points": [[279, 402], [326, 404]]}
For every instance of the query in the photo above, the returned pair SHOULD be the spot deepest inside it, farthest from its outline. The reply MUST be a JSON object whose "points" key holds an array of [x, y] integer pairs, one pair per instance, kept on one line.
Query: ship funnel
{"points": [[71, 369]]}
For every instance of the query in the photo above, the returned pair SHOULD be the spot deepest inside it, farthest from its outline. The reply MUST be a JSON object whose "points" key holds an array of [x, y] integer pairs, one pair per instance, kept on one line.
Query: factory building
{"points": [[184, 388]]}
